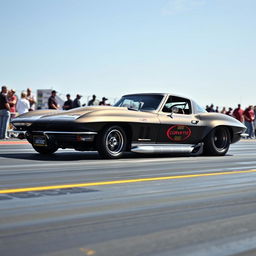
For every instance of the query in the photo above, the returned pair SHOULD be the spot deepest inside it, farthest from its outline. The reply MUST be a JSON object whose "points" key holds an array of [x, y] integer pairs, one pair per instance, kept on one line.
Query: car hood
{"points": [[79, 114]]}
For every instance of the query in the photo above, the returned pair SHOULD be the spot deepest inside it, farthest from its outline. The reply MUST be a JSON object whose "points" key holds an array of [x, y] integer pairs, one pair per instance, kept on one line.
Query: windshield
{"points": [[140, 102]]}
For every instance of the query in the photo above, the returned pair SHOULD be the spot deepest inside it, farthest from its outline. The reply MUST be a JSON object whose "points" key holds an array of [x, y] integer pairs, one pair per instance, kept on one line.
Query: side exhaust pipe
{"points": [[156, 148]]}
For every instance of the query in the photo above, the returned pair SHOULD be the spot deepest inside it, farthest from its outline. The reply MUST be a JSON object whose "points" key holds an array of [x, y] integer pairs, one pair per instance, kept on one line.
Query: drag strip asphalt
{"points": [[102, 183], [74, 203]]}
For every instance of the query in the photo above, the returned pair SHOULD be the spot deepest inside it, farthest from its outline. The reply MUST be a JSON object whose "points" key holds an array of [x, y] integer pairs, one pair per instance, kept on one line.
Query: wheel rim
{"points": [[220, 139], [114, 142]]}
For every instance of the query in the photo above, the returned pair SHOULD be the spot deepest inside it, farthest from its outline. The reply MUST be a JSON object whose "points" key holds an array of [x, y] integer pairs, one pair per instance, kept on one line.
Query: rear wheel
{"points": [[111, 142], [217, 142]]}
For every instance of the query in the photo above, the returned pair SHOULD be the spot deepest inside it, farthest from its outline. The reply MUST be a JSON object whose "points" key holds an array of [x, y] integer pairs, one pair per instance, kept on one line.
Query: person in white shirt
{"points": [[23, 104], [32, 99]]}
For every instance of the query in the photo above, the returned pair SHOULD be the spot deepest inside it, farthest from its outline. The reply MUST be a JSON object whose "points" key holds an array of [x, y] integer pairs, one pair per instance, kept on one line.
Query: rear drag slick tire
{"points": [[217, 142]]}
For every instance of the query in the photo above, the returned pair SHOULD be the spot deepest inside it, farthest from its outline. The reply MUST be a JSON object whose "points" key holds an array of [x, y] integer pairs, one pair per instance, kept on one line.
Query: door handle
{"points": [[194, 121]]}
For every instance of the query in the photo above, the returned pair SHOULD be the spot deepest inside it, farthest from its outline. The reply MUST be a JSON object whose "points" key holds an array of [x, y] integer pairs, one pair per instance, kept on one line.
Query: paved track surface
{"points": [[184, 215]]}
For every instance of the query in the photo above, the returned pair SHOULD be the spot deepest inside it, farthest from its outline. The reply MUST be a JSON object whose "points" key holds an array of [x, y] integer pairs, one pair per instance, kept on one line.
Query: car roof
{"points": [[162, 94]]}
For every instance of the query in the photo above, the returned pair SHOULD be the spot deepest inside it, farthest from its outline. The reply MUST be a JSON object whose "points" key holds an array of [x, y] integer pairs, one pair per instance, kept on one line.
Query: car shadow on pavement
{"points": [[92, 155], [58, 156]]}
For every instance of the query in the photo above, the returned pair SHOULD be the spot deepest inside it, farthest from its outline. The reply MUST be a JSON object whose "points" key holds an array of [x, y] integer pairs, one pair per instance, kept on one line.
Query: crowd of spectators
{"points": [[245, 116], [76, 103], [11, 105]]}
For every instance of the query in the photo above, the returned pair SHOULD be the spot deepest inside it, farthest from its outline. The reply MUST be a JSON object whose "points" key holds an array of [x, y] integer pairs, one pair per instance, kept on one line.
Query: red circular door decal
{"points": [[178, 133]]}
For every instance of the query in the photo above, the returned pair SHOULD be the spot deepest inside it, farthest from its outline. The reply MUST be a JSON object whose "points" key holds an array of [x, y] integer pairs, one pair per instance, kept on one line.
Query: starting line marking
{"points": [[102, 183], [13, 142]]}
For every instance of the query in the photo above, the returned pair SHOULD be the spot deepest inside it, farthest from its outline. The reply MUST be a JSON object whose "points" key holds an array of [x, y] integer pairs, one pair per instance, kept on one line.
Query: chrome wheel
{"points": [[111, 142], [114, 142]]}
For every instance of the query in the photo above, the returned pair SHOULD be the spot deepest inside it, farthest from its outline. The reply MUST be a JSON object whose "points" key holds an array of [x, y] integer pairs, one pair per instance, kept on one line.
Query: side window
{"points": [[177, 105]]}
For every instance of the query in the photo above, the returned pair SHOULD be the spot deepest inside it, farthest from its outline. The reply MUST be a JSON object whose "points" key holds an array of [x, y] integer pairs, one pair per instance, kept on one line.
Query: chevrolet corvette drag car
{"points": [[141, 123]]}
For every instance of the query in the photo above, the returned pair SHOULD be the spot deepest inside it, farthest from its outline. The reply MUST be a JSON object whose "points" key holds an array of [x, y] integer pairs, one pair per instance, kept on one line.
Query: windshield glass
{"points": [[140, 102]]}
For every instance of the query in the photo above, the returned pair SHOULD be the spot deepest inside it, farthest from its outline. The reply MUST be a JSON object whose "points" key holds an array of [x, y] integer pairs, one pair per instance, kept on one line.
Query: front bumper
{"points": [[85, 136], [63, 139]]}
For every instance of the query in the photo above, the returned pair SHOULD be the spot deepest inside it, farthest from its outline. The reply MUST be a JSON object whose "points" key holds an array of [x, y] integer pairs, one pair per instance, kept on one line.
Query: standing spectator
{"points": [[68, 103], [248, 121], [12, 100], [32, 99], [103, 102], [23, 105], [76, 102], [92, 102], [4, 113], [211, 109], [217, 109], [238, 113], [254, 122], [223, 111], [52, 102], [229, 112]]}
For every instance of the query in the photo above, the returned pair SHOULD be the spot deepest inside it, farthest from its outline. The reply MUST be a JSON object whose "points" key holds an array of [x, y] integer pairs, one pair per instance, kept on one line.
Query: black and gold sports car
{"points": [[141, 123]]}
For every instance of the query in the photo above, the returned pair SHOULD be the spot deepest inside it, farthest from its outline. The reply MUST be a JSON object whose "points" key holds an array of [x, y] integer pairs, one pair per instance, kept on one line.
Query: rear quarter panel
{"points": [[212, 120]]}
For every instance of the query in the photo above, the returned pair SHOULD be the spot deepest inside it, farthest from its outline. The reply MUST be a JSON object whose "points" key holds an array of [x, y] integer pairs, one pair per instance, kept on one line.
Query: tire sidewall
{"points": [[48, 150], [101, 142], [51, 147], [210, 146]]}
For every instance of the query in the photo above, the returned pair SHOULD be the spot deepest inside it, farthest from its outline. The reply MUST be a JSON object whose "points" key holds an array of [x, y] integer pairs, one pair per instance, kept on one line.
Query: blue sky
{"points": [[204, 49]]}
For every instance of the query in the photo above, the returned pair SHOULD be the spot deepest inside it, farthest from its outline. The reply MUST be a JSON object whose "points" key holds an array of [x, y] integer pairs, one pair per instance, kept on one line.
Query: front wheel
{"points": [[217, 142], [111, 142], [47, 150]]}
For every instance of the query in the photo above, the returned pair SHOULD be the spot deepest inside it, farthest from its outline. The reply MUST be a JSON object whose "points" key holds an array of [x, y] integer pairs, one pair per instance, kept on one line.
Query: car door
{"points": [[178, 124]]}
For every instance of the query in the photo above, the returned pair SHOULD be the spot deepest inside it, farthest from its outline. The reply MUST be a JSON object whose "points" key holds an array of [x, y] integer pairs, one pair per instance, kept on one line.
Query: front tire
{"points": [[48, 150], [217, 142], [111, 142]]}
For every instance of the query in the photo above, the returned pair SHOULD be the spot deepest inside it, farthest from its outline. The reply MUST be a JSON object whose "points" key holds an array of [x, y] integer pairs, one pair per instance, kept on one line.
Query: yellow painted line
{"points": [[102, 183]]}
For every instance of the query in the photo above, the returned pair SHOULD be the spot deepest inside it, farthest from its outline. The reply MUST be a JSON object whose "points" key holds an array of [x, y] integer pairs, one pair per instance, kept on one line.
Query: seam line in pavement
{"points": [[102, 183]]}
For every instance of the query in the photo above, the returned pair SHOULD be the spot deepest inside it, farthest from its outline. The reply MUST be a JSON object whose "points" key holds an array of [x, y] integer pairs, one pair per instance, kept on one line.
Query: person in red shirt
{"points": [[238, 113], [12, 100], [254, 123], [4, 113], [248, 121]]}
